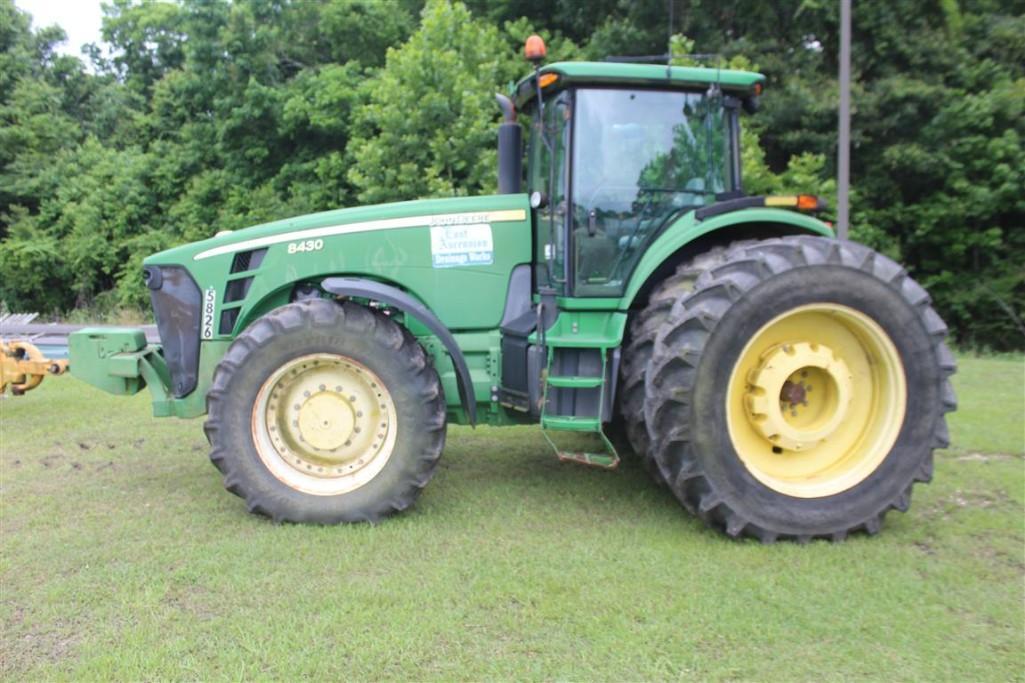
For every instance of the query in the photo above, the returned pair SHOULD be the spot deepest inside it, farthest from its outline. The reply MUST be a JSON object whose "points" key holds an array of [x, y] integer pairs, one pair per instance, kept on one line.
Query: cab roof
{"points": [[643, 75]]}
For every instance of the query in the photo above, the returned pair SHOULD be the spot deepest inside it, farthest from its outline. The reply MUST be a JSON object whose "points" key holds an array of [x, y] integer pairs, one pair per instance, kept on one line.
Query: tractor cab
{"points": [[616, 153]]}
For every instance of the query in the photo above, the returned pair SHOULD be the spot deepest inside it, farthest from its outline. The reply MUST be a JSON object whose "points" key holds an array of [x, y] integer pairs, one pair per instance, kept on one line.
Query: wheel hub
{"points": [[798, 394], [326, 421], [816, 400], [324, 424]]}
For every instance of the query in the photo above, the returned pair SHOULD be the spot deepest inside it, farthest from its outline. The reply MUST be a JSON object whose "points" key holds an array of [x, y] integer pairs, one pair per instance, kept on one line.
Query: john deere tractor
{"points": [[781, 383]]}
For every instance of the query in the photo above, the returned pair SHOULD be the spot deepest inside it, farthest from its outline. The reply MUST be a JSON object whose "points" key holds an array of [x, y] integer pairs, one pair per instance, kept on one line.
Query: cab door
{"points": [[550, 176]]}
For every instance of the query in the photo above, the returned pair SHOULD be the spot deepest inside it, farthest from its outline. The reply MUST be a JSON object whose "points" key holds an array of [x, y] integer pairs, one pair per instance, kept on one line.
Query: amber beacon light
{"points": [[534, 49]]}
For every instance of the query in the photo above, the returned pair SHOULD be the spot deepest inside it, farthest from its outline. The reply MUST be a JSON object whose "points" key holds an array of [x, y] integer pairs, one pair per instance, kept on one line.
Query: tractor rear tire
{"points": [[736, 428], [324, 412], [644, 326]]}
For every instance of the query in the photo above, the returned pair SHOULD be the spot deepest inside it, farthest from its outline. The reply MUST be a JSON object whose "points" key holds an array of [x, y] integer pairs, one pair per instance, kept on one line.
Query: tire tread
{"points": [[677, 349]]}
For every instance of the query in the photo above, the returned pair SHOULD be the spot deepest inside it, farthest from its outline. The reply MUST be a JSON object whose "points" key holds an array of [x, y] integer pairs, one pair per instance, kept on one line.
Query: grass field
{"points": [[122, 557]]}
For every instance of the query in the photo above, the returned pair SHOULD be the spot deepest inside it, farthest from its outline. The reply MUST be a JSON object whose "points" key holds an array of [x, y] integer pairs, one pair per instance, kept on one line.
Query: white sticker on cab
{"points": [[462, 245]]}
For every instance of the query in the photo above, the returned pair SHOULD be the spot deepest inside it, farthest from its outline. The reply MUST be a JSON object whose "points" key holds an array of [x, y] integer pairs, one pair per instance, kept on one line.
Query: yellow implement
{"points": [[23, 366]]}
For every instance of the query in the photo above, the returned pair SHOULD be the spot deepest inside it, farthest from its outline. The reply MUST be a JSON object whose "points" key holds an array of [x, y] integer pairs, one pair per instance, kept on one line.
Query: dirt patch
{"points": [[57, 460], [38, 644], [969, 499], [988, 457], [51, 460], [192, 599], [977, 499], [925, 547]]}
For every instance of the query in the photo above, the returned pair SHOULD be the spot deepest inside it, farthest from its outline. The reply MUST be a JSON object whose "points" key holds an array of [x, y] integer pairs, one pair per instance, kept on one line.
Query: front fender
{"points": [[386, 294], [689, 228]]}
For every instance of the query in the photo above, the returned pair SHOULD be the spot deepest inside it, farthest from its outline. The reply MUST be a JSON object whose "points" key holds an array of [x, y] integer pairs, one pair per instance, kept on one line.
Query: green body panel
{"points": [[657, 75], [463, 297], [482, 351], [194, 405], [688, 228], [596, 303]]}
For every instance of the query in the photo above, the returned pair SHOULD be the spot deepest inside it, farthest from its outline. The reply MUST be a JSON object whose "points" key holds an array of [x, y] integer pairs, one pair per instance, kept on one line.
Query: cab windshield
{"points": [[640, 158]]}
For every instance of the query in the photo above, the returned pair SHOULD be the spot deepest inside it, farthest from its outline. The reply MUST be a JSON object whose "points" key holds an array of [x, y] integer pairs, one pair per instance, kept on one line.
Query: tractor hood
{"points": [[327, 224], [438, 250]]}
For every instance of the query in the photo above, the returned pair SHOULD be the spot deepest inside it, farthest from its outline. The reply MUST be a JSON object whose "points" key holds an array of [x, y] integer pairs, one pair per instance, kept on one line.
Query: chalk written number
{"points": [[305, 245]]}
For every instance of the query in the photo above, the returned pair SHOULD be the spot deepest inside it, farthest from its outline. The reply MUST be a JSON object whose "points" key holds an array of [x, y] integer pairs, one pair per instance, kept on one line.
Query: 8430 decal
{"points": [[305, 245]]}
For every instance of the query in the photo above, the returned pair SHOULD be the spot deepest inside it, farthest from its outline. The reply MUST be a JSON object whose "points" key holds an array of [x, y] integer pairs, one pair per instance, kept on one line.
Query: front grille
{"points": [[247, 260], [237, 289], [228, 318], [176, 305]]}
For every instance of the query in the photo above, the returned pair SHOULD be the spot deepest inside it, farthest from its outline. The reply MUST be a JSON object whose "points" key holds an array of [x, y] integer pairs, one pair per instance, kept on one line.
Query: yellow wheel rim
{"points": [[816, 400], [324, 424]]}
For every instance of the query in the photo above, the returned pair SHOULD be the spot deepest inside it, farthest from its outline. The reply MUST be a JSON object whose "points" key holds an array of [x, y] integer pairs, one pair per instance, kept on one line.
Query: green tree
{"points": [[425, 125]]}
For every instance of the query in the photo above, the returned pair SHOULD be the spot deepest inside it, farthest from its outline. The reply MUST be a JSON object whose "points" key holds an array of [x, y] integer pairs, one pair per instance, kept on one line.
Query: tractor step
{"points": [[571, 424], [572, 375], [603, 460], [574, 382], [609, 459]]}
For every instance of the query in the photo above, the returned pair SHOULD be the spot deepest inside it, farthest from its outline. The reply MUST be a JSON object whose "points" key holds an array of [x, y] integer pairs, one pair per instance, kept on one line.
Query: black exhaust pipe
{"points": [[510, 149]]}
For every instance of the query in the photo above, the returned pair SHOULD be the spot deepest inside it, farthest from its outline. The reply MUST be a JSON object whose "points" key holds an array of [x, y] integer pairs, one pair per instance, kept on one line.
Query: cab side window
{"points": [[549, 174]]}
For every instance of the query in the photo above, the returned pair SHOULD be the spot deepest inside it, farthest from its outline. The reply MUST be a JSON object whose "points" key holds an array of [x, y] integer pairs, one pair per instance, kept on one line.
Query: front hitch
{"points": [[119, 361]]}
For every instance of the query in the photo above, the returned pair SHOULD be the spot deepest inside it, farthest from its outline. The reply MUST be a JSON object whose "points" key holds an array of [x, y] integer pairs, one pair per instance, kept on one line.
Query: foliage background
{"points": [[203, 115]]}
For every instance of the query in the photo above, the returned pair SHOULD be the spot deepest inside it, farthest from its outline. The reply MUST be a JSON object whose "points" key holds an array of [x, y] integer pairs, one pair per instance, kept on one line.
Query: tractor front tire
{"points": [[324, 412], [799, 391]]}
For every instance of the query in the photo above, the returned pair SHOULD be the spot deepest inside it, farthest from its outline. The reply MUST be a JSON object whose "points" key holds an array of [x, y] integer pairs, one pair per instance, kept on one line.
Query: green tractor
{"points": [[781, 383]]}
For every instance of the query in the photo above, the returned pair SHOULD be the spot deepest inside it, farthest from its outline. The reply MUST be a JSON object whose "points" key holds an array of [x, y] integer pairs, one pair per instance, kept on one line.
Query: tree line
{"points": [[197, 116]]}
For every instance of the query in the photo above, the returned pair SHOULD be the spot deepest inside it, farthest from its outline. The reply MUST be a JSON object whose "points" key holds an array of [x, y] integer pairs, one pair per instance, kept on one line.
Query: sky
{"points": [[80, 19]]}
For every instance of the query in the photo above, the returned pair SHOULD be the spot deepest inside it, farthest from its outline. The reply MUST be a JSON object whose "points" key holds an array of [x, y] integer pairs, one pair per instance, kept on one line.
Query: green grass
{"points": [[122, 557]]}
